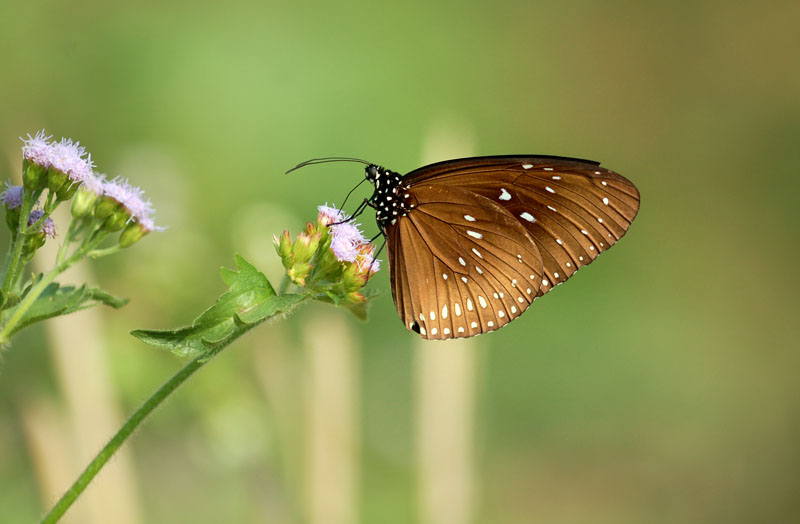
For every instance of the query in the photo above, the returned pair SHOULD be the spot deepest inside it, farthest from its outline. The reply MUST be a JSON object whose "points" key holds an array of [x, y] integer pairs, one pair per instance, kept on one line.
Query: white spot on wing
{"points": [[444, 276], [469, 218], [605, 200], [433, 315], [474, 234], [460, 329], [501, 313], [504, 195], [527, 216], [446, 331], [464, 279], [444, 311], [469, 305], [461, 261], [473, 325], [422, 331], [457, 308], [550, 189], [548, 169], [490, 323], [482, 301], [434, 331], [551, 208], [527, 166], [477, 253]]}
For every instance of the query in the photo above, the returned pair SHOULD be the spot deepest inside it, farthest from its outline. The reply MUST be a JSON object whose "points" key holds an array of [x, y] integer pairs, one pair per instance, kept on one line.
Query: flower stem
{"points": [[8, 328], [15, 252], [117, 440]]}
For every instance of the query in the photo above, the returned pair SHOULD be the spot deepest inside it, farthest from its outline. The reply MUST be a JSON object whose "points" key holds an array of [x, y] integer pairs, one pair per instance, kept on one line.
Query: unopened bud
{"points": [[33, 175], [83, 203], [106, 207], [132, 233]]}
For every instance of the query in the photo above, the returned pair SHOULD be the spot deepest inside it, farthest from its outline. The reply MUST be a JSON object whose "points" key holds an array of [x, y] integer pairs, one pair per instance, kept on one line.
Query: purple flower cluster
{"points": [[67, 156], [72, 159], [345, 237], [48, 226], [12, 196], [132, 198]]}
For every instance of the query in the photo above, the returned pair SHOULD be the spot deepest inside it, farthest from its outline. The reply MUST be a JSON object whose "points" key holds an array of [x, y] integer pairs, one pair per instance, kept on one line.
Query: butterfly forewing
{"points": [[460, 264], [573, 210]]}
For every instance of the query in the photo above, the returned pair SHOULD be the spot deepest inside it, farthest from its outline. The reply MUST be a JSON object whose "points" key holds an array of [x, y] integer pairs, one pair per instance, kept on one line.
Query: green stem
{"points": [[38, 289], [97, 253], [117, 440], [27, 302], [284, 284], [15, 252]]}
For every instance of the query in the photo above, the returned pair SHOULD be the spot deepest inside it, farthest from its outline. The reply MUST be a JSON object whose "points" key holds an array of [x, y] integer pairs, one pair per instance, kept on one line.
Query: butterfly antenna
{"points": [[325, 160]]}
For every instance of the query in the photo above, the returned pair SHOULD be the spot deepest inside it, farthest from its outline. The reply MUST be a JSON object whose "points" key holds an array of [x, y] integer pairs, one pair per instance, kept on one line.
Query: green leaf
{"points": [[249, 301], [57, 300]]}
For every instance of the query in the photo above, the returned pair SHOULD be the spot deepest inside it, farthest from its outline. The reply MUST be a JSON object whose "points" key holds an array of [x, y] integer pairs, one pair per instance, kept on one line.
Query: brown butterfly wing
{"points": [[572, 209], [460, 263]]}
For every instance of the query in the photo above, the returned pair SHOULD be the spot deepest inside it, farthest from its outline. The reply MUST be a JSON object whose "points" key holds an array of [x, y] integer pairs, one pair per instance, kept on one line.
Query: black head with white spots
{"points": [[389, 197]]}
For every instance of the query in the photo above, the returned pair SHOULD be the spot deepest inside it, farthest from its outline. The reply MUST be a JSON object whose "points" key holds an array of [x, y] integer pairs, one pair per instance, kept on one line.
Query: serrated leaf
{"points": [[250, 299], [57, 300]]}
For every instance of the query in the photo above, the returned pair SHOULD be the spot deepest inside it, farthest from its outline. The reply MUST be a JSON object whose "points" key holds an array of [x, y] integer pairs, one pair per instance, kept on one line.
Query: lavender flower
{"points": [[37, 148], [68, 157], [132, 199], [48, 226], [12, 196], [345, 237]]}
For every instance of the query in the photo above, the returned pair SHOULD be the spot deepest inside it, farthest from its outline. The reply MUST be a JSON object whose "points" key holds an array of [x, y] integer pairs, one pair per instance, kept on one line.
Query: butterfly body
{"points": [[472, 242]]}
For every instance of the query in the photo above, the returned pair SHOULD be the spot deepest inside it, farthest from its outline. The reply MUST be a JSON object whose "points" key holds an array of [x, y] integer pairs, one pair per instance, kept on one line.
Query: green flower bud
{"points": [[118, 219], [305, 246], [298, 273], [56, 179], [32, 243], [283, 245], [106, 207], [33, 175], [132, 233], [67, 190], [12, 219], [83, 203]]}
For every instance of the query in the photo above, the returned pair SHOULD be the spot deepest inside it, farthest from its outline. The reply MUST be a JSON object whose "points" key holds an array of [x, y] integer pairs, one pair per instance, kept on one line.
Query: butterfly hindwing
{"points": [[460, 264]]}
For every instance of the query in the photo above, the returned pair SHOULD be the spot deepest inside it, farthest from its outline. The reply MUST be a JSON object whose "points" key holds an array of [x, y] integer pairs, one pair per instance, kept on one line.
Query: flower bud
{"points": [[298, 273], [83, 203], [12, 219], [33, 243], [118, 219], [283, 245], [56, 179], [106, 207], [33, 175], [67, 190], [305, 246], [356, 298], [132, 233]]}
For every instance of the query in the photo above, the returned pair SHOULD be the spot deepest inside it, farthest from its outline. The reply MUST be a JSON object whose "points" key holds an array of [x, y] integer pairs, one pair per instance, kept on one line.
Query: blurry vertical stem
{"points": [[122, 435]]}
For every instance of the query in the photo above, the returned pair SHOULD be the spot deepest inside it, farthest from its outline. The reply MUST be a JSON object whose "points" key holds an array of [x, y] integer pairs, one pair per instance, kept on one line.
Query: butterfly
{"points": [[472, 242]]}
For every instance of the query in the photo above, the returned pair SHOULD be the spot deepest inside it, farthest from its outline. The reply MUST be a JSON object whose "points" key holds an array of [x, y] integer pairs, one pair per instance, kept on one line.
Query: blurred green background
{"points": [[658, 385]]}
